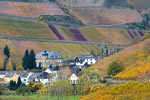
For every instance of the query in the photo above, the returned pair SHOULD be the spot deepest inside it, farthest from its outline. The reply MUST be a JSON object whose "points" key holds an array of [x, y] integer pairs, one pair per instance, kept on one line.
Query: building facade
{"points": [[84, 60], [47, 58]]}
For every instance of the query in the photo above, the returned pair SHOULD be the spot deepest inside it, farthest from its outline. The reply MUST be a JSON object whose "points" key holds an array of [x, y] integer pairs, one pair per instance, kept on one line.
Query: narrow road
{"points": [[62, 41]]}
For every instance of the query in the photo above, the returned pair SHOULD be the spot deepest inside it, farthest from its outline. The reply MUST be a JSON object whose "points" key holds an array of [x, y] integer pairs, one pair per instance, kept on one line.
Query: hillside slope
{"points": [[25, 28], [40, 30], [140, 4], [106, 16], [128, 57], [127, 91], [111, 35], [81, 2], [30, 9], [17, 49]]}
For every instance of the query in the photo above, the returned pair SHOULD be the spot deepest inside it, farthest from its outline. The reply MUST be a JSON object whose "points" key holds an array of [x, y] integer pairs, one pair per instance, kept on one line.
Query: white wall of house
{"points": [[88, 61], [50, 71], [26, 80], [73, 79], [45, 81], [2, 76]]}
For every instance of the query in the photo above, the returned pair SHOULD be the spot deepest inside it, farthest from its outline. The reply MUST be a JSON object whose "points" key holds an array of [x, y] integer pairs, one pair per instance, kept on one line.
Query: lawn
{"points": [[37, 97]]}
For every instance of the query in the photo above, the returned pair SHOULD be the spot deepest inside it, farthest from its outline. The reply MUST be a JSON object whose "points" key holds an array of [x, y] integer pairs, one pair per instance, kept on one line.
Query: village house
{"points": [[73, 79], [25, 77], [11, 76], [47, 58], [85, 60]]}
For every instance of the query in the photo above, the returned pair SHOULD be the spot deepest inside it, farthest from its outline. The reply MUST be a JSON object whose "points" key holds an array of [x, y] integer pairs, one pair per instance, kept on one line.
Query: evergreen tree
{"points": [[14, 66], [25, 59], [40, 67], [101, 53], [106, 51], [18, 82], [6, 51], [92, 53], [12, 85], [32, 60]]}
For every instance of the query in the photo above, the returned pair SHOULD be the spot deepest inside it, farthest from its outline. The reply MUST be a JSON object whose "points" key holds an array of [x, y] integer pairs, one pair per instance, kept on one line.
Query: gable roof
{"points": [[10, 73], [34, 76], [83, 57], [49, 54], [73, 77]]}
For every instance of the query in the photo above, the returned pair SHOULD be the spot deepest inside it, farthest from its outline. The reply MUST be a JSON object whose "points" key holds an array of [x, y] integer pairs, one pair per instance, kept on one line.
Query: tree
{"points": [[18, 82], [6, 51], [30, 87], [40, 67], [101, 53], [32, 60], [92, 53], [12, 85], [26, 60], [7, 54], [61, 88], [114, 68], [37, 86], [14, 66], [106, 51], [22, 90]]}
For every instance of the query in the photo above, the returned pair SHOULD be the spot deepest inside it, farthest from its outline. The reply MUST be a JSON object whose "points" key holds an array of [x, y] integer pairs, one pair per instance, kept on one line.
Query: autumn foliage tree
{"points": [[114, 68]]}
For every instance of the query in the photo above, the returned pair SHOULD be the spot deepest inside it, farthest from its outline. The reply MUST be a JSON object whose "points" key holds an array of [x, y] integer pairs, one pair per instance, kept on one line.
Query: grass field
{"points": [[37, 97], [106, 16], [30, 9], [25, 28]]}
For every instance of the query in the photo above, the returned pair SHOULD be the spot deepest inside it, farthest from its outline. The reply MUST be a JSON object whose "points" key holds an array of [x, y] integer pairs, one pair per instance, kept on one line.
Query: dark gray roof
{"points": [[34, 76], [75, 69], [49, 54], [43, 75], [11, 73], [83, 57], [23, 74]]}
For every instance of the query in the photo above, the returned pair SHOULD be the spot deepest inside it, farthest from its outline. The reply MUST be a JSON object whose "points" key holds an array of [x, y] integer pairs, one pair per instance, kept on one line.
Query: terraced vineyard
{"points": [[25, 28], [65, 33], [140, 5], [77, 34], [56, 32], [127, 91], [98, 34], [82, 3], [17, 49], [30, 9], [40, 30], [106, 16], [135, 34], [129, 59]]}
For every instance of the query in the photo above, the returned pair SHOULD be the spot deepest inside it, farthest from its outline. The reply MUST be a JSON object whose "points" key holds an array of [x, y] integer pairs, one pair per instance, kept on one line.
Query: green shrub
{"points": [[114, 68]]}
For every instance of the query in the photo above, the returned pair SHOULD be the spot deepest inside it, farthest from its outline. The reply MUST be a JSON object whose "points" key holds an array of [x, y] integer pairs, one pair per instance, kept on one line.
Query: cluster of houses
{"points": [[47, 59]]}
